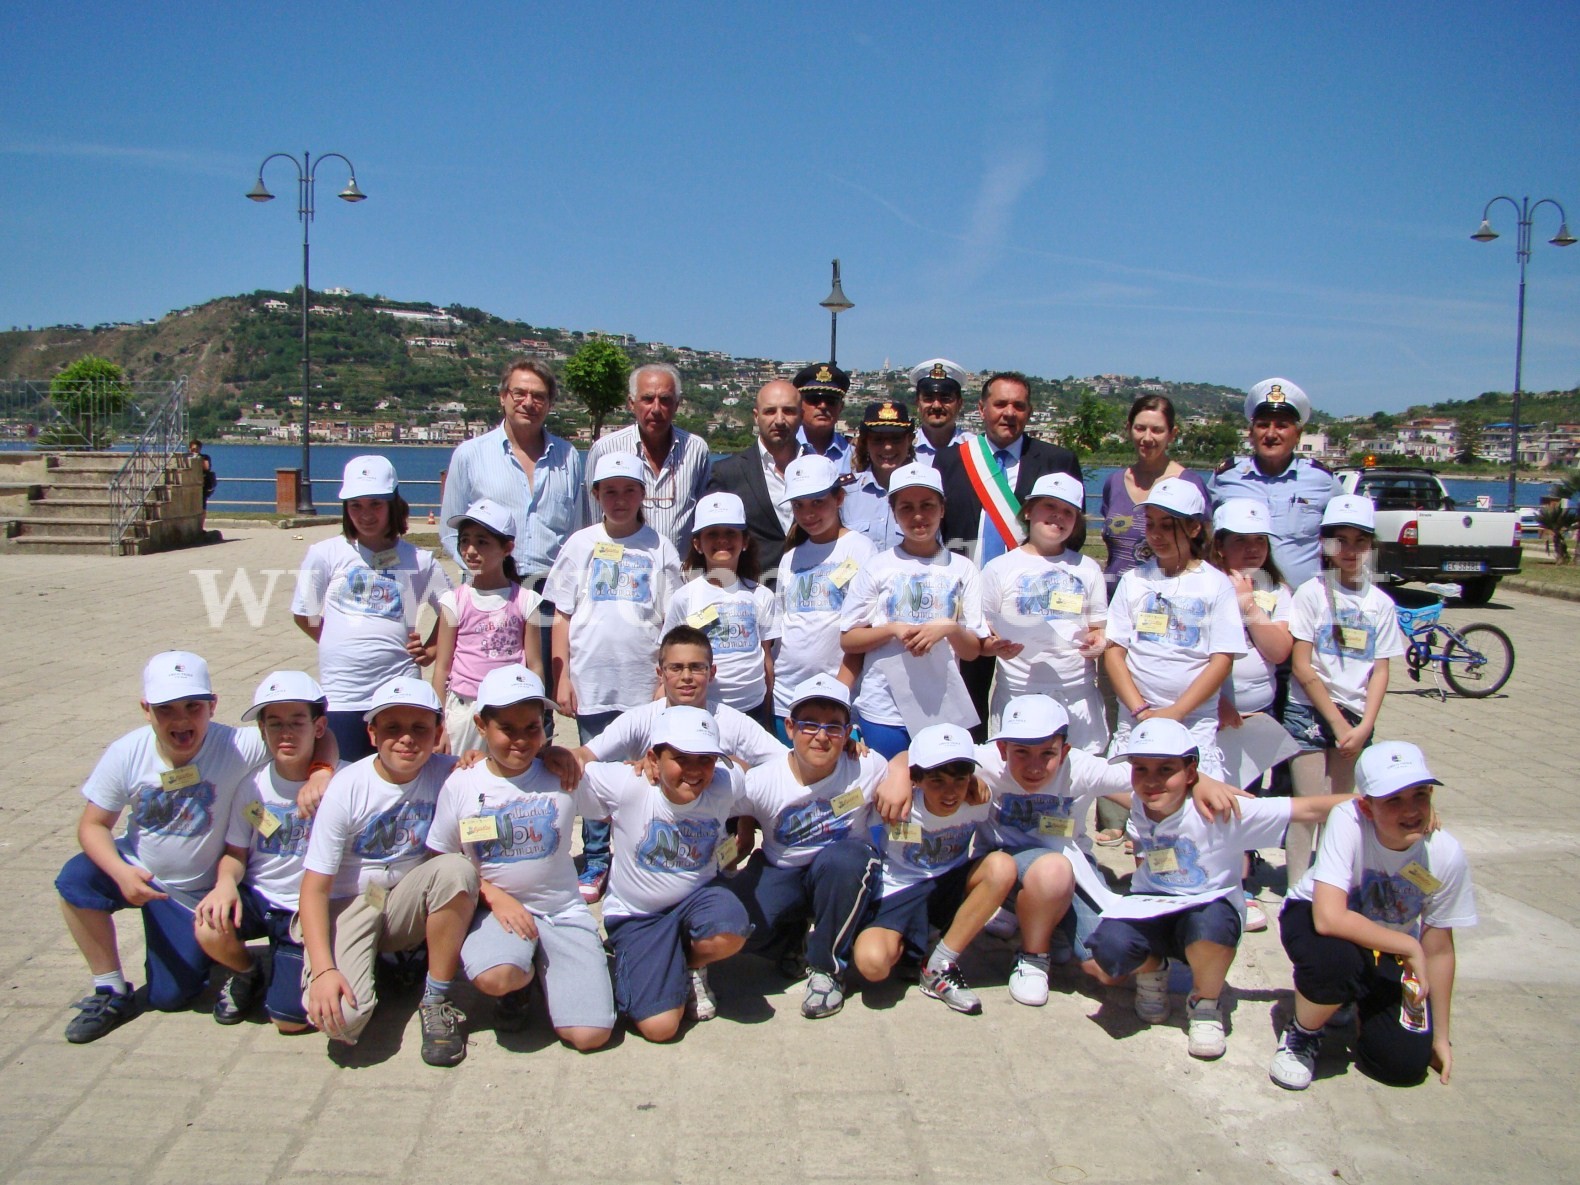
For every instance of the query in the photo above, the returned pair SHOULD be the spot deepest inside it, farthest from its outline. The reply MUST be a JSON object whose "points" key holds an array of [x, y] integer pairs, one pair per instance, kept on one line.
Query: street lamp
{"points": [[1485, 234], [836, 303], [306, 171]]}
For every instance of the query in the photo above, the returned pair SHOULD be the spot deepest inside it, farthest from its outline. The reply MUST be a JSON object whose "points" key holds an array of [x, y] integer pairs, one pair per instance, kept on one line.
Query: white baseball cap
{"points": [[915, 476], [1388, 767], [1029, 718], [1177, 496], [720, 510], [485, 512], [1351, 510], [627, 465], [940, 744], [285, 687], [371, 476], [403, 692], [176, 675], [1061, 486], [811, 476], [820, 687], [1280, 394], [1158, 737], [688, 730], [513, 684], [1242, 516]]}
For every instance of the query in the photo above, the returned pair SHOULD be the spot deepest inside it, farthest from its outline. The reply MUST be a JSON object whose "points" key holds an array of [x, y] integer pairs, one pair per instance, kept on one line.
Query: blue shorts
{"points": [[175, 965], [262, 919], [1311, 729], [351, 734], [1119, 946], [919, 908], [650, 975], [1079, 920], [888, 739]]}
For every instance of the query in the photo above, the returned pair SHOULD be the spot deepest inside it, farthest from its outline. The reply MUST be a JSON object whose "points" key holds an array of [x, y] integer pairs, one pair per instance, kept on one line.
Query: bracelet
{"points": [[325, 971], [318, 765]]}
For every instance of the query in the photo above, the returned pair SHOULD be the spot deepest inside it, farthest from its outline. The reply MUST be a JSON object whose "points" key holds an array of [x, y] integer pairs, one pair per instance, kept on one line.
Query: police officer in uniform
{"points": [[939, 384], [1296, 489]]}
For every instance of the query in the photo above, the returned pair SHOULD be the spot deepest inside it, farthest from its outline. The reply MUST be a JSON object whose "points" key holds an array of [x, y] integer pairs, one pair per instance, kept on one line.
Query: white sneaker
{"points": [[1002, 924], [1204, 1028], [1295, 1064], [702, 1005], [1255, 917], [1152, 995], [1028, 982]]}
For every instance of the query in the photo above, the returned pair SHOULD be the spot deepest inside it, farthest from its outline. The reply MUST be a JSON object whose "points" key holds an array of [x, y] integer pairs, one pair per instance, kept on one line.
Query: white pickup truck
{"points": [[1423, 536]]}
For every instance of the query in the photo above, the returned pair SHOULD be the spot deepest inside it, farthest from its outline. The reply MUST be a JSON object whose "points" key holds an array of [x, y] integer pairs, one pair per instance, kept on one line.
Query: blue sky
{"points": [[1159, 189]]}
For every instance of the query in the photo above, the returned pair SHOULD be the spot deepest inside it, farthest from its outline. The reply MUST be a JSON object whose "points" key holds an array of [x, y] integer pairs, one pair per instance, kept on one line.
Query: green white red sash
{"points": [[993, 490]]}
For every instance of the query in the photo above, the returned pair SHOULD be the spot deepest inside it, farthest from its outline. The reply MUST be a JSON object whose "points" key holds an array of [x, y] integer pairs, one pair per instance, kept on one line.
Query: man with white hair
{"points": [[674, 461]]}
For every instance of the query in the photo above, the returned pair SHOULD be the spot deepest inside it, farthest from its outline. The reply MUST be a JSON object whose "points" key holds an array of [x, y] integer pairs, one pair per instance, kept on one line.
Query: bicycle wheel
{"points": [[1482, 665]]}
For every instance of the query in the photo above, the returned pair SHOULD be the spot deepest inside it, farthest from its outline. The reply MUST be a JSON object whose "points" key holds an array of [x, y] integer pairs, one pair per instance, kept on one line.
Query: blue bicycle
{"points": [[1475, 660]]}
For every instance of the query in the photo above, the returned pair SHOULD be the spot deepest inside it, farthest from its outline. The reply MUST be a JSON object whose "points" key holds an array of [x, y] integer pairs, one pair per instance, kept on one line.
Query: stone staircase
{"points": [[60, 504]]}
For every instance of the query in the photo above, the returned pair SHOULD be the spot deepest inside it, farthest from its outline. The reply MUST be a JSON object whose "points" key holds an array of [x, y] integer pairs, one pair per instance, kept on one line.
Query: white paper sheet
{"points": [[1254, 748], [928, 690]]}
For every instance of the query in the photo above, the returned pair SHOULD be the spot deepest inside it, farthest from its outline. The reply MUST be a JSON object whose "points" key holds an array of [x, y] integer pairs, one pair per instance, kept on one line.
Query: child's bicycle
{"points": [[1475, 660]]}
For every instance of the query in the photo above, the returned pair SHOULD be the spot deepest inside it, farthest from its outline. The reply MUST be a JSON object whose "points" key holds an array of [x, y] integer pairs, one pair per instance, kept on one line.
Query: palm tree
{"points": [[1559, 516]]}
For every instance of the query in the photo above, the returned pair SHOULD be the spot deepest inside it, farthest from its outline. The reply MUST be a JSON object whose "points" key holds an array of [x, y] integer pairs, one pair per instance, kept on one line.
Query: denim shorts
{"points": [[1120, 945], [650, 975], [1311, 730], [262, 919]]}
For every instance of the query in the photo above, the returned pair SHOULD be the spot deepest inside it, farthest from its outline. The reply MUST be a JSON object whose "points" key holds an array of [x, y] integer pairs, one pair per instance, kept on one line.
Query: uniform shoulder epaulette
{"points": [[1316, 464], [1228, 464], [846, 478]]}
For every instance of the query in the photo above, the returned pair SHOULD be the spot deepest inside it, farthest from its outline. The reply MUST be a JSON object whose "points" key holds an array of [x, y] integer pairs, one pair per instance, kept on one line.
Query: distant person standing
{"points": [[756, 474], [823, 388], [1151, 427], [674, 461], [1296, 489], [523, 466], [940, 384], [205, 463]]}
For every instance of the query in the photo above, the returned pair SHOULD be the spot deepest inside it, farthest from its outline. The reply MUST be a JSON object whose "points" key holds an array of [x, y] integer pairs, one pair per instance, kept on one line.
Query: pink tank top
{"points": [[485, 640]]}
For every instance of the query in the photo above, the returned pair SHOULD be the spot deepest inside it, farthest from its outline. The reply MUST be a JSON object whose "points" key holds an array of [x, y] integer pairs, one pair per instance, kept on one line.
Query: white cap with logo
{"points": [[820, 687], [687, 730], [403, 692], [1350, 510], [1388, 767], [176, 675], [285, 687], [1061, 486], [1242, 516], [488, 513], [1178, 497], [627, 465], [809, 477], [1158, 737], [508, 685], [1032, 718], [371, 476], [915, 476], [941, 744], [720, 510]]}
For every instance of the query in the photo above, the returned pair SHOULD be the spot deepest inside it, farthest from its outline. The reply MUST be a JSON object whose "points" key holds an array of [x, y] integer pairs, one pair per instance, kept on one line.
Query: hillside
{"points": [[413, 364]]}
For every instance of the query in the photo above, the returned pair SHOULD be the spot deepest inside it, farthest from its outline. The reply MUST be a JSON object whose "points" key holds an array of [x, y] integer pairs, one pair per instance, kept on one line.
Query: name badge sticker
{"points": [[479, 828], [843, 575], [180, 778], [1060, 825], [844, 803], [1265, 601], [1162, 860], [704, 617], [1420, 878], [1352, 638], [376, 896], [905, 832], [609, 551], [1065, 602], [386, 559], [263, 820], [1152, 623], [727, 851]]}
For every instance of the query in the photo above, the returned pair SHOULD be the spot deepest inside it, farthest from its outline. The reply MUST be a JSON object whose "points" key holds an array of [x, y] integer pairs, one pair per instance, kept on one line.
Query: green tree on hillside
{"points": [[596, 375], [88, 395], [1467, 439], [1091, 421]]}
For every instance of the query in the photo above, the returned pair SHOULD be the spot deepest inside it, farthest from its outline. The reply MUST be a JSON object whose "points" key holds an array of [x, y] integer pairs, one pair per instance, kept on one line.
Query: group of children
{"points": [[377, 812]]}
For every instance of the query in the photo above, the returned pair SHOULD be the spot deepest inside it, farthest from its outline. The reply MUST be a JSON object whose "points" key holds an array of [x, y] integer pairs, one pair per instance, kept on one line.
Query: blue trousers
{"points": [[832, 891]]}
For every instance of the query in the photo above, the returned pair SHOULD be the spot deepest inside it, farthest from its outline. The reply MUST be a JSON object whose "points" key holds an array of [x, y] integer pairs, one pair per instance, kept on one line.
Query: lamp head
{"points": [[258, 192], [1484, 232], [351, 193], [1563, 238]]}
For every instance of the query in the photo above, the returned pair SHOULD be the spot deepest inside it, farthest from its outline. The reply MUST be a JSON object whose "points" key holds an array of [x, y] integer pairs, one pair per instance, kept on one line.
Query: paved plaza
{"points": [[894, 1088]]}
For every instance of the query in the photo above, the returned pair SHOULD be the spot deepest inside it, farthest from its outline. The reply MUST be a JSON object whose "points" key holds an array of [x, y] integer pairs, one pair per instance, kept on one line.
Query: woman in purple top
{"points": [[1151, 424]]}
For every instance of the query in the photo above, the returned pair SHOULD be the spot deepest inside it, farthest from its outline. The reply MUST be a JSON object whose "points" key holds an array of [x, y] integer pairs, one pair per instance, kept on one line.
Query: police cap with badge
{"points": [[822, 378], [889, 416], [1278, 395], [938, 376]]}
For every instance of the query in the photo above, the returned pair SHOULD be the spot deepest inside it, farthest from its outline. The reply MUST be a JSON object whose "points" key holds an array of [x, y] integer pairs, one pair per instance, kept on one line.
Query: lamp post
{"points": [[306, 174], [836, 303], [1485, 234]]}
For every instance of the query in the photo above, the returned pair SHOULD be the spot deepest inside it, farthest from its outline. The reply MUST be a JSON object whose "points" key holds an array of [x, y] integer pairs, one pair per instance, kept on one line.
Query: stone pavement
{"points": [[894, 1088]]}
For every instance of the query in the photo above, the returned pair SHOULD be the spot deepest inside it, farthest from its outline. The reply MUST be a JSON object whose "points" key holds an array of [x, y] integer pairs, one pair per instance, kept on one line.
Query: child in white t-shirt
{"points": [[929, 878], [1173, 626], [512, 819], [358, 596], [820, 562], [1379, 907], [178, 777], [1185, 898], [914, 611], [369, 886], [1345, 630], [489, 623], [724, 599], [667, 917], [255, 890], [1049, 602]]}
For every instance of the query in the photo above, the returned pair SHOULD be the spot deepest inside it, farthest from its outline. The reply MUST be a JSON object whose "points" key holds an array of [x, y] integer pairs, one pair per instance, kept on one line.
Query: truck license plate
{"points": [[1464, 566]]}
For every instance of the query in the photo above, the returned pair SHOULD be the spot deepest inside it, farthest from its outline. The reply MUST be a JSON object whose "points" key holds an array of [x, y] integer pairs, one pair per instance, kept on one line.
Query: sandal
{"points": [[1109, 837]]}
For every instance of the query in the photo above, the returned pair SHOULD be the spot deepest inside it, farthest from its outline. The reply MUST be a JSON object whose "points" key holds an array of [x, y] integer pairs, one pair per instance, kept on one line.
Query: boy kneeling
{"points": [[367, 886]]}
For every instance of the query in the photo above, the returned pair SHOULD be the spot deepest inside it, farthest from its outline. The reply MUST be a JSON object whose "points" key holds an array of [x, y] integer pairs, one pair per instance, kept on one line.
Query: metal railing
{"points": [[93, 414], [162, 441], [419, 502]]}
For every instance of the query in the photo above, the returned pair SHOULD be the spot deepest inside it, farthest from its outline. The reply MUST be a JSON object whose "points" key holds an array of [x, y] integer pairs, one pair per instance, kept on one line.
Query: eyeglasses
{"points": [[657, 498], [811, 728], [686, 668], [522, 395], [821, 398]]}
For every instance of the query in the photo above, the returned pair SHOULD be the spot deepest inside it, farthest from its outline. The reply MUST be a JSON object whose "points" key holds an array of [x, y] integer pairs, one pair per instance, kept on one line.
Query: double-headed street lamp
{"points": [[836, 303], [306, 170], [1485, 234]]}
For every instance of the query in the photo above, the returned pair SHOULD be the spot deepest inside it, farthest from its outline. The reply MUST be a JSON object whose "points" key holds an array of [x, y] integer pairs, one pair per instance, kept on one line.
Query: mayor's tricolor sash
{"points": [[992, 487]]}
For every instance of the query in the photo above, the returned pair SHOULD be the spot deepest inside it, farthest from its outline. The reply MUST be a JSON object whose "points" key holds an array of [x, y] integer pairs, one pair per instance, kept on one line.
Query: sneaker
{"points": [[1204, 1029], [237, 995], [1295, 1063], [1152, 995], [591, 882], [443, 1033], [510, 1011], [1002, 924], [702, 1005], [949, 986], [1255, 918], [824, 996], [1028, 982], [104, 1010]]}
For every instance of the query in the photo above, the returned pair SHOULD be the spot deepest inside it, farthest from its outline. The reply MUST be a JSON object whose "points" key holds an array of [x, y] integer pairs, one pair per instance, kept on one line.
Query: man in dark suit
{"points": [[968, 527], [757, 474]]}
